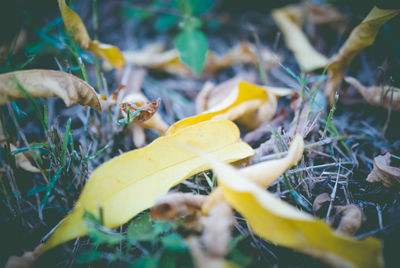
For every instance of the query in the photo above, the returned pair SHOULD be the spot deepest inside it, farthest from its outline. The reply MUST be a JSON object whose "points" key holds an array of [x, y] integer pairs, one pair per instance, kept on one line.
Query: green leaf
{"points": [[174, 242], [192, 46], [164, 22], [144, 262], [140, 229], [99, 234]]}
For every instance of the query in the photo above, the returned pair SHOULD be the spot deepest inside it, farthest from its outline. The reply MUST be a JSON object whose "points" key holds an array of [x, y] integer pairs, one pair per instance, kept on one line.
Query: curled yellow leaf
{"points": [[76, 28], [246, 98], [131, 183], [289, 20], [48, 84], [361, 37], [263, 173], [278, 222]]}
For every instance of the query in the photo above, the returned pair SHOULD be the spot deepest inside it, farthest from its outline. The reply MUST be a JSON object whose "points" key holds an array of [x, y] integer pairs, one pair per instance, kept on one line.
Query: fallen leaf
{"points": [[154, 57], [217, 229], [243, 99], [48, 84], [320, 202], [185, 207], [211, 96], [25, 261], [131, 82], [385, 96], [131, 182], [76, 28], [146, 109], [326, 14], [352, 219], [361, 37], [21, 161], [263, 173], [280, 223], [384, 172], [289, 21]]}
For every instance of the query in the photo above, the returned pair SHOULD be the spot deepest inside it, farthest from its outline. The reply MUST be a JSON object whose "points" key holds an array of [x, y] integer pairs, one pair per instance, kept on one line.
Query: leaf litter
{"points": [[294, 176]]}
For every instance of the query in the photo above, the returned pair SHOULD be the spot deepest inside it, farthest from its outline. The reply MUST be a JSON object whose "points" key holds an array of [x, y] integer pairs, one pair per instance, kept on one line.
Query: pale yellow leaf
{"points": [[76, 28], [153, 56], [385, 96], [280, 223], [21, 161], [48, 84], [243, 99], [289, 20], [131, 183], [361, 37], [263, 173]]}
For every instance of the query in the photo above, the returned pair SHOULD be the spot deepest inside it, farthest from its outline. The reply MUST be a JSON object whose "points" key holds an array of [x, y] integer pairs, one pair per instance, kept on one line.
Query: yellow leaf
{"points": [[278, 222], [244, 99], [263, 173], [361, 37], [48, 84], [76, 28], [288, 20], [131, 183]]}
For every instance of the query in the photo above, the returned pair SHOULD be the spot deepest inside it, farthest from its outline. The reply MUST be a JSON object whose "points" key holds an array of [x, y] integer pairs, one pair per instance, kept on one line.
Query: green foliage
{"points": [[192, 46]]}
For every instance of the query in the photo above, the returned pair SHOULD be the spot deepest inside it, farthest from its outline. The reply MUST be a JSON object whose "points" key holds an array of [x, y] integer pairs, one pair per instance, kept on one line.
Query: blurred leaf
{"points": [[98, 233], [361, 37], [288, 20], [174, 242], [165, 22], [131, 182], [47, 84], [192, 46], [141, 229], [76, 28]]}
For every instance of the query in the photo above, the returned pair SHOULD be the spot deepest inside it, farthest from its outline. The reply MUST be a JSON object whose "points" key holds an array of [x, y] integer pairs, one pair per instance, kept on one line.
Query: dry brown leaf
{"points": [[217, 229], [320, 201], [154, 57], [48, 84], [184, 207], [384, 172], [289, 20], [361, 37], [129, 92], [21, 161], [147, 109], [352, 219], [25, 261], [385, 96], [202, 259], [326, 14]]}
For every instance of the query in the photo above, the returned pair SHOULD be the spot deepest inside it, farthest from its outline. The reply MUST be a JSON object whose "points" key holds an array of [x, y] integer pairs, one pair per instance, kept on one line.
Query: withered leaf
{"points": [[145, 109], [385, 96], [361, 37], [352, 219], [48, 84], [384, 172]]}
